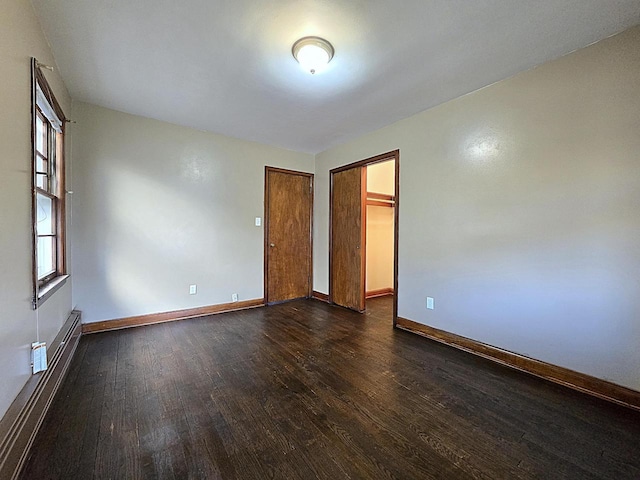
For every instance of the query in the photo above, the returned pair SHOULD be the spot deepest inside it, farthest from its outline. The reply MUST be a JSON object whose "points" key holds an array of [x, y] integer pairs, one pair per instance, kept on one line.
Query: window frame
{"points": [[54, 186]]}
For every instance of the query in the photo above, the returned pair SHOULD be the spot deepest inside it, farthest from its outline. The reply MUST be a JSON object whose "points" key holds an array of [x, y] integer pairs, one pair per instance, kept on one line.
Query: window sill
{"points": [[49, 289]]}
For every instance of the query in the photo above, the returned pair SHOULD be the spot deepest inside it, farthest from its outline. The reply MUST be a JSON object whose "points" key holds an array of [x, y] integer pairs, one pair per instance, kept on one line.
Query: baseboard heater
{"points": [[20, 424]]}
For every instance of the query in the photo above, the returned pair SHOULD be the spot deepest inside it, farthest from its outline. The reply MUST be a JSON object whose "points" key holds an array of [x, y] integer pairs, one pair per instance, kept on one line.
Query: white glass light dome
{"points": [[313, 53]]}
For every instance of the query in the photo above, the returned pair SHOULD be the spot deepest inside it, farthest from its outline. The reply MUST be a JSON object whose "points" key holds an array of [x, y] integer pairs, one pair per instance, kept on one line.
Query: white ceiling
{"points": [[226, 66]]}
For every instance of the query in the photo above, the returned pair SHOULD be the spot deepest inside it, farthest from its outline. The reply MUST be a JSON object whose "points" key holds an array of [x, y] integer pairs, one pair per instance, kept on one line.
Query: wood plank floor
{"points": [[305, 390]]}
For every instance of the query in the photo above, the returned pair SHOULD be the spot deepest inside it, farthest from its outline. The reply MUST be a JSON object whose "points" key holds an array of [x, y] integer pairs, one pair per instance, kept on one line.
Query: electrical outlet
{"points": [[193, 289], [430, 303], [234, 297], [258, 221], [38, 356]]}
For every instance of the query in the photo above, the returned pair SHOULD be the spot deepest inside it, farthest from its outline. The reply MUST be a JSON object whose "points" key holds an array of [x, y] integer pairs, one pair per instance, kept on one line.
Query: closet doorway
{"points": [[363, 224]]}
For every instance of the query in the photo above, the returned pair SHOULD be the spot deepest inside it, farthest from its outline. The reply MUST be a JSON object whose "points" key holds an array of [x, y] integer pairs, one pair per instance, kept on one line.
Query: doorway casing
{"points": [[392, 155]]}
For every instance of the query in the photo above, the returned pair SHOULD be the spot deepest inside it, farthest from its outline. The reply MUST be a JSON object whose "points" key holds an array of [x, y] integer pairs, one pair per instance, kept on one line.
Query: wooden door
{"points": [[347, 270], [288, 234]]}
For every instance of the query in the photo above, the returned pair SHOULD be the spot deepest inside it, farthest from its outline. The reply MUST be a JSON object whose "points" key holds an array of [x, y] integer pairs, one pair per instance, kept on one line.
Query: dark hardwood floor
{"points": [[305, 390]]}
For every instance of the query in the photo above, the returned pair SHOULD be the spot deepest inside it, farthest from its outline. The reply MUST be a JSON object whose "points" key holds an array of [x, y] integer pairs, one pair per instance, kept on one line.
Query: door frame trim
{"points": [[392, 155], [265, 228]]}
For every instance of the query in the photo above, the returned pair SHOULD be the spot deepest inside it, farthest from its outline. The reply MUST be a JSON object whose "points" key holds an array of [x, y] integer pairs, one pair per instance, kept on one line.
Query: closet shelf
{"points": [[380, 199]]}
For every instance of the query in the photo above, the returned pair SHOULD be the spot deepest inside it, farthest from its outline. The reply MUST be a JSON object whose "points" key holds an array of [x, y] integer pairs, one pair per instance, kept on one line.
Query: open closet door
{"points": [[347, 254]]}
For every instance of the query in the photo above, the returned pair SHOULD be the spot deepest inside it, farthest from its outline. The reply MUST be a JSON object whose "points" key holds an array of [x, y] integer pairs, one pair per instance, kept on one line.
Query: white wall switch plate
{"points": [[258, 221], [234, 297], [430, 303], [193, 289]]}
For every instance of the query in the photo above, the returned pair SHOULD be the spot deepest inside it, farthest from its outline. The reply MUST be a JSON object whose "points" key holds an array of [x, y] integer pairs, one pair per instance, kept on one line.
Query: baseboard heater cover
{"points": [[569, 378], [21, 422]]}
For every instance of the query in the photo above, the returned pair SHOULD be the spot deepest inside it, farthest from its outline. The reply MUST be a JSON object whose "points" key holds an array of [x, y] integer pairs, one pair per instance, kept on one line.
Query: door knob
{"points": [[272, 245]]}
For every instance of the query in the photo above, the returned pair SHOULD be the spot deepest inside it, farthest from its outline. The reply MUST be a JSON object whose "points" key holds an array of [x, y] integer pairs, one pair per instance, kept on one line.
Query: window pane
{"points": [[45, 215], [41, 136], [41, 164], [46, 256], [41, 181]]}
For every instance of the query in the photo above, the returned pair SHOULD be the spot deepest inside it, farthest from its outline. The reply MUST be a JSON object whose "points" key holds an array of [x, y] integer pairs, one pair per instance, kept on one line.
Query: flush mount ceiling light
{"points": [[313, 53]]}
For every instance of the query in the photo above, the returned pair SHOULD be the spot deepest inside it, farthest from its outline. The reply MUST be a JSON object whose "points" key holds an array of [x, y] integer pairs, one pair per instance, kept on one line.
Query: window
{"points": [[49, 266]]}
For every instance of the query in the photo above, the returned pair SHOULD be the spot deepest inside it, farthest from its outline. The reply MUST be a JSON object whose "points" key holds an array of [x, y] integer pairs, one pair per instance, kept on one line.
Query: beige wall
{"points": [[519, 211], [20, 39], [379, 248], [159, 207], [380, 179]]}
